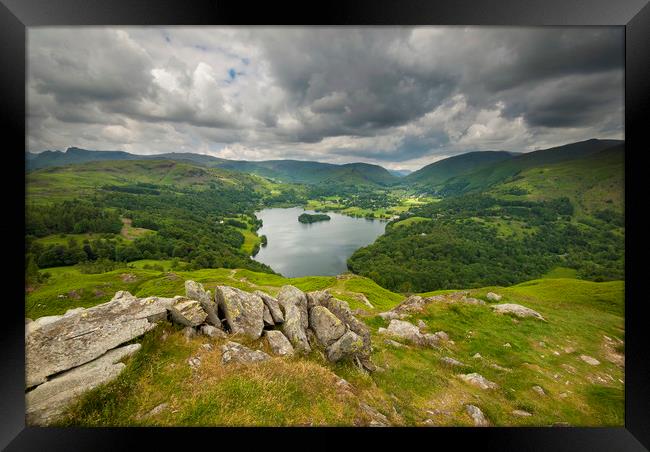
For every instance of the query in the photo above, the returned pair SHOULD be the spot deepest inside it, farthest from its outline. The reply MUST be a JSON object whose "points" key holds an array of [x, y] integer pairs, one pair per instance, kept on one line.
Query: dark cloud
{"points": [[395, 95]]}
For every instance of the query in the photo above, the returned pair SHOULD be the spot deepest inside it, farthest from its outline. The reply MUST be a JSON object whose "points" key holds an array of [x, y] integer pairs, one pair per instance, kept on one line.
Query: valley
{"points": [[545, 230]]}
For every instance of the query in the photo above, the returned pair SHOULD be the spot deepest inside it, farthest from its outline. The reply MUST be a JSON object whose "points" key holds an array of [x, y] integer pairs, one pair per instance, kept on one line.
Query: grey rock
{"points": [[212, 331], [244, 311], [477, 416], [517, 310], [589, 360], [72, 340], [278, 343], [272, 305], [451, 362], [421, 324], [194, 362], [207, 347], [376, 418], [292, 295], [350, 344], [187, 312], [408, 331], [478, 380], [390, 315], [342, 310], [157, 410], [317, 298], [232, 352], [293, 329], [493, 296], [45, 403], [441, 335], [195, 291], [327, 327], [521, 413], [266, 316], [539, 390], [477, 356]]}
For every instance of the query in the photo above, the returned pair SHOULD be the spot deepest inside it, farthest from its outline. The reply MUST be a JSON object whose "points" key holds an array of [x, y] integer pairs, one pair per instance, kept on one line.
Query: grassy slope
{"points": [[579, 315]]}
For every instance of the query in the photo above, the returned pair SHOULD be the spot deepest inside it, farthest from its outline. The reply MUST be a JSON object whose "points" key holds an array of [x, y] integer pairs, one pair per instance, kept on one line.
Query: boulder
{"points": [[244, 312], [390, 315], [293, 329], [278, 343], [441, 335], [472, 300], [327, 327], [493, 297], [376, 418], [405, 330], [272, 305], [232, 352], [266, 316], [46, 403], [317, 298], [414, 303], [349, 345], [212, 331], [189, 333], [478, 380], [292, 295], [195, 291], [521, 413], [421, 324], [539, 390], [451, 362], [342, 310], [477, 416], [589, 360], [517, 310], [187, 312], [72, 340]]}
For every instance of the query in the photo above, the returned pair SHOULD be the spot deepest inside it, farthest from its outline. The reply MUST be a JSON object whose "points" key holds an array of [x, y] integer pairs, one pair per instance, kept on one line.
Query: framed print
{"points": [[414, 216]]}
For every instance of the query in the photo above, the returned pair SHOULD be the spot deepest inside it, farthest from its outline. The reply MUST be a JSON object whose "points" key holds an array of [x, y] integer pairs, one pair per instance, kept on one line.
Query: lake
{"points": [[321, 248]]}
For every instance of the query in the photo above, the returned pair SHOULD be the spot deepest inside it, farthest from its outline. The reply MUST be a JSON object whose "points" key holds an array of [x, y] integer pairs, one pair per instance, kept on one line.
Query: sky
{"points": [[400, 97]]}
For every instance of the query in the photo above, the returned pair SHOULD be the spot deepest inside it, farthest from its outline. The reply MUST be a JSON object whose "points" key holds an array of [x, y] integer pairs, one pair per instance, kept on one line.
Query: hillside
{"points": [[560, 207], [439, 172], [538, 367], [501, 172], [295, 171], [204, 216]]}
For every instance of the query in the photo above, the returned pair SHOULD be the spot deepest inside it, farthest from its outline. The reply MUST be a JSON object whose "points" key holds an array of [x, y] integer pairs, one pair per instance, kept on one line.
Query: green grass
{"points": [[561, 272], [579, 314], [62, 239], [409, 221]]}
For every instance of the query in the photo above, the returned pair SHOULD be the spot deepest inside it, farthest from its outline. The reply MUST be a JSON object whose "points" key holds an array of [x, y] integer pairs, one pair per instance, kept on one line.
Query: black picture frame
{"points": [[634, 15]]}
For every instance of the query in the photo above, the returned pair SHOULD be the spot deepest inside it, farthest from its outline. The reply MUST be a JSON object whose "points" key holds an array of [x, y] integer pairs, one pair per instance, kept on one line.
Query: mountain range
{"points": [[460, 173]]}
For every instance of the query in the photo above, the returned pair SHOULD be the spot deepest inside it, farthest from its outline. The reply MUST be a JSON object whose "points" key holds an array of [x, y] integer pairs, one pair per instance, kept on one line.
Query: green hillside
{"points": [[502, 172], [560, 207], [412, 386], [439, 172]]}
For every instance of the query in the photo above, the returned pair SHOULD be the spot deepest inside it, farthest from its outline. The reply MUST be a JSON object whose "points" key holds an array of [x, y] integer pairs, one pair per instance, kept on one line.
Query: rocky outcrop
{"points": [[84, 335], [71, 353], [46, 402], [232, 352], [243, 311], [517, 310]]}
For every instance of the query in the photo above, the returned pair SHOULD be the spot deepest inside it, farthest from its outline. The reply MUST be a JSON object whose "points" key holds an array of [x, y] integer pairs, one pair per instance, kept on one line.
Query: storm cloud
{"points": [[398, 96]]}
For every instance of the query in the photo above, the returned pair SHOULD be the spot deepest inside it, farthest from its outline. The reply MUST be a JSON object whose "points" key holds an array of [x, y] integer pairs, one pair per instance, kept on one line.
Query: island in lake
{"points": [[313, 218]]}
